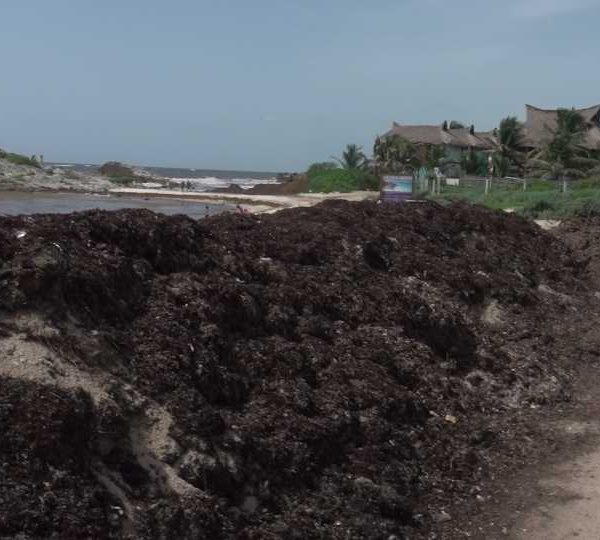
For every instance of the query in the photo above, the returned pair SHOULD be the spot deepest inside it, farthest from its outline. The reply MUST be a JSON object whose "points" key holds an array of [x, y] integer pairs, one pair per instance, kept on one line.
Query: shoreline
{"points": [[260, 203], [254, 203]]}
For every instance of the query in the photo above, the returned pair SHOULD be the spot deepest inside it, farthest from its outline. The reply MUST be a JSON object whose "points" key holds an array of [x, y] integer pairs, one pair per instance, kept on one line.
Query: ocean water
{"points": [[26, 203], [200, 179]]}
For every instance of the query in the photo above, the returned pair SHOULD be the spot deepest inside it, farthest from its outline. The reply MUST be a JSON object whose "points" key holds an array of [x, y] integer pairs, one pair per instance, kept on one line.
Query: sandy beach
{"points": [[257, 203]]}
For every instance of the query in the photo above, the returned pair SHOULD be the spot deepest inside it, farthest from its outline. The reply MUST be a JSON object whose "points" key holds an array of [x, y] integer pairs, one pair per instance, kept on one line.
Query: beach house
{"points": [[455, 140], [457, 143], [540, 125]]}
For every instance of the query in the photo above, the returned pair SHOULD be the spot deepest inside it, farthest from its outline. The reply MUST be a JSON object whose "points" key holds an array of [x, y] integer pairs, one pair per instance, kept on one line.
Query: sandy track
{"points": [[574, 488]]}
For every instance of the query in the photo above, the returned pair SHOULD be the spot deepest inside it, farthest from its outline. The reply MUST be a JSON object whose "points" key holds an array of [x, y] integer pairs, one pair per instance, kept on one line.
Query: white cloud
{"points": [[546, 8]]}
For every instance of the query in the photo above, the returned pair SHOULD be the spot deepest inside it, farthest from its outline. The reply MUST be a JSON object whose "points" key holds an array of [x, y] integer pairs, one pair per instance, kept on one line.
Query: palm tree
{"points": [[473, 162], [510, 139], [502, 165], [564, 157], [568, 136], [353, 158]]}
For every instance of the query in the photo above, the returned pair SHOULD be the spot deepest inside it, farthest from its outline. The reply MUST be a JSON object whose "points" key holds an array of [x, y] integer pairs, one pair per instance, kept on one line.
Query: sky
{"points": [[274, 85]]}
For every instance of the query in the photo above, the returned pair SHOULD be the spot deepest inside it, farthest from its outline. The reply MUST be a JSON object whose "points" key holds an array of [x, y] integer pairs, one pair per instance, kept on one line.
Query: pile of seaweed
{"points": [[316, 373]]}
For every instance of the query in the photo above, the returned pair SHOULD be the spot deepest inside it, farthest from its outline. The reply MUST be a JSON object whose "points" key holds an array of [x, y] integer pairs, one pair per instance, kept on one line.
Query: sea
{"points": [[200, 179]]}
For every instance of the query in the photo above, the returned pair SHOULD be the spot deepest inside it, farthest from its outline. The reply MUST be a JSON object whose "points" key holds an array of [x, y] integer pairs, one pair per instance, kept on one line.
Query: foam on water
{"points": [[211, 182]]}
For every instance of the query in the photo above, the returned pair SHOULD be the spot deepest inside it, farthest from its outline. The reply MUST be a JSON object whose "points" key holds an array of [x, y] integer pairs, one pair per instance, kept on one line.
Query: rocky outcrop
{"points": [[16, 177], [114, 169]]}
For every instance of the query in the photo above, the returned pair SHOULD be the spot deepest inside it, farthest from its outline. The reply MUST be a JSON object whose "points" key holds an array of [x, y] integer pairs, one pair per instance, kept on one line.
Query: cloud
{"points": [[548, 8]]}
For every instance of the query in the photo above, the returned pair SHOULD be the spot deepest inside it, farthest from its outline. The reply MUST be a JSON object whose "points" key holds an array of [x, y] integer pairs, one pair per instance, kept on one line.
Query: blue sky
{"points": [[277, 84]]}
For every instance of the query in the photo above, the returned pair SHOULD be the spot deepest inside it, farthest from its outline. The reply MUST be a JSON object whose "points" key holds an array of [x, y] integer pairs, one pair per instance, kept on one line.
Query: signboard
{"points": [[397, 188]]}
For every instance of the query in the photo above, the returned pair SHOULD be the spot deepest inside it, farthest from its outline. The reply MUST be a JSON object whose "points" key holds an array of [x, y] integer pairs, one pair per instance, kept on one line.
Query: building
{"points": [[541, 124], [452, 138], [457, 144]]}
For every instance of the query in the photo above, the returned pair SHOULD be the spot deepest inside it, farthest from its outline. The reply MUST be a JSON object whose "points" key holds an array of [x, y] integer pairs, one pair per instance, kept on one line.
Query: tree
{"points": [[564, 157], [455, 124], [434, 157], [502, 165], [511, 141], [568, 136], [353, 158], [473, 162], [396, 154]]}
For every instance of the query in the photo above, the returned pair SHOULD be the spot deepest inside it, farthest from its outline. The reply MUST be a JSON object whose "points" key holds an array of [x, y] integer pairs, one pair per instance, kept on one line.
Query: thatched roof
{"points": [[541, 124], [437, 135]]}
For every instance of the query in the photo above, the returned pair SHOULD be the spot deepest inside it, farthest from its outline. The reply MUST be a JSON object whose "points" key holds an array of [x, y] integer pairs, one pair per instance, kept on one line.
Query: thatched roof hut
{"points": [[541, 124], [442, 135]]}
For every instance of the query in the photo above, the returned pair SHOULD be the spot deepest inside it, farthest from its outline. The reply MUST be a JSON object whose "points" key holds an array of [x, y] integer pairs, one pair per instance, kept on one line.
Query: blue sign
{"points": [[397, 188]]}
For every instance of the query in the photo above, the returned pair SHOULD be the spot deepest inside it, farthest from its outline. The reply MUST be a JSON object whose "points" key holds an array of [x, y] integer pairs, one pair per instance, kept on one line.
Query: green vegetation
{"points": [[568, 175], [321, 166], [342, 180], [353, 158], [396, 154], [18, 159], [352, 173], [510, 158], [542, 200], [564, 157], [473, 162]]}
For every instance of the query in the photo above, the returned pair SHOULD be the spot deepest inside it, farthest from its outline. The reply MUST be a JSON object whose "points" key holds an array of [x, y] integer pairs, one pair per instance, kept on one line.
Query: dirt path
{"points": [[564, 494], [557, 497], [572, 490]]}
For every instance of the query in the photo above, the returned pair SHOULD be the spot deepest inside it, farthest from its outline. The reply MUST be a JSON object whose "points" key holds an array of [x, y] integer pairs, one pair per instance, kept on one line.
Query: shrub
{"points": [[539, 207], [18, 159], [587, 208], [342, 180], [319, 167]]}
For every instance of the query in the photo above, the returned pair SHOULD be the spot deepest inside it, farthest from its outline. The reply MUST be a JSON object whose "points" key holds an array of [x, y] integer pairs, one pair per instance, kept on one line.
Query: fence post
{"points": [[487, 185], [524, 184]]}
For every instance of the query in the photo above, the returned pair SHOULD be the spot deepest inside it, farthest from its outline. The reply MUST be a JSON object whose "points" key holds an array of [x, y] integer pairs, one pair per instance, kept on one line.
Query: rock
{"points": [[115, 169]]}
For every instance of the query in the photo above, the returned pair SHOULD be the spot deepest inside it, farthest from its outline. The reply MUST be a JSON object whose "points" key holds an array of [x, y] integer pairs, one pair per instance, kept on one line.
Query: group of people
{"points": [[186, 185]]}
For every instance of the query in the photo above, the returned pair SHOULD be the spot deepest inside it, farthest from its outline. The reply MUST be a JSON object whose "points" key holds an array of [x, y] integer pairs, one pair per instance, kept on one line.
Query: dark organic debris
{"points": [[316, 373]]}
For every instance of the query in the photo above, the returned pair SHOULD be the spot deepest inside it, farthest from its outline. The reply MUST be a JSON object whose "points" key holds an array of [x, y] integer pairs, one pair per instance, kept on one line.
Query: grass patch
{"points": [[18, 159], [341, 180], [542, 200]]}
